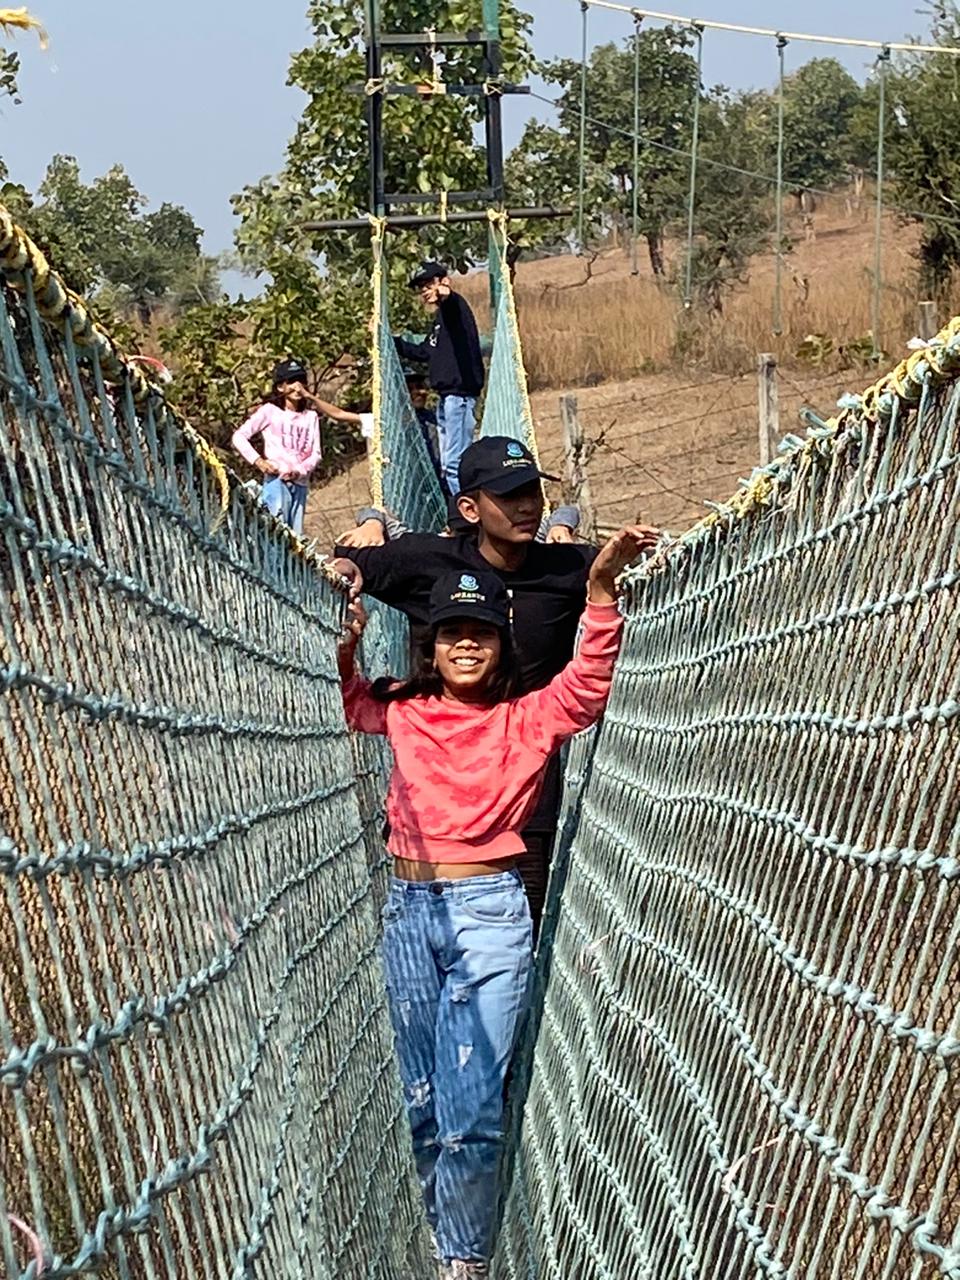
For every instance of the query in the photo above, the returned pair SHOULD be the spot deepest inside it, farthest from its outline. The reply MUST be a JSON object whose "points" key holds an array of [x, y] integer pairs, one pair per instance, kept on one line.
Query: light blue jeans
{"points": [[456, 423], [457, 955], [286, 500]]}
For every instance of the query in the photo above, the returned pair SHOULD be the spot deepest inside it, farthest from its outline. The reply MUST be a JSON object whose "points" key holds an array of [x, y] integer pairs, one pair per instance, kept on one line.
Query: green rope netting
{"points": [[507, 405], [196, 1063], [744, 1054], [404, 480]]}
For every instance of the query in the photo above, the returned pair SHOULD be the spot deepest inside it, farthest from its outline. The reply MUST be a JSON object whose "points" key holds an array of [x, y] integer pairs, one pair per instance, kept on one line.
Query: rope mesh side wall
{"points": [[196, 1064], [507, 409], [403, 479], [747, 1060]]}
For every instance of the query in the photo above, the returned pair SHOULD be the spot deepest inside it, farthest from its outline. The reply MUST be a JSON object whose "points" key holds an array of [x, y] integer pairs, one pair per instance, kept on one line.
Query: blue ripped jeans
{"points": [[457, 955]]}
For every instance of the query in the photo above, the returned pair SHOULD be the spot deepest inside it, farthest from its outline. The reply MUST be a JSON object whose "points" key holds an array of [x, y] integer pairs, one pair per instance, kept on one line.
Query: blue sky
{"points": [[191, 97]]}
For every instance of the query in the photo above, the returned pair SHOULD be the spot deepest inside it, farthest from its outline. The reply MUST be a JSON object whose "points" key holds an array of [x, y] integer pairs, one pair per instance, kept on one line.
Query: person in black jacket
{"points": [[454, 362], [502, 499]]}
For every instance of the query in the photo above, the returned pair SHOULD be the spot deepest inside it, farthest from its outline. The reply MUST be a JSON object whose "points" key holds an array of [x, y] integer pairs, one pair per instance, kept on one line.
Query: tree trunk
{"points": [[655, 249], [513, 257]]}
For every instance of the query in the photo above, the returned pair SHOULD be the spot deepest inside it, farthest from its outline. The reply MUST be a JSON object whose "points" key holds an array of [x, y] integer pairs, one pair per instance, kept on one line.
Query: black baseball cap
{"points": [[470, 594], [498, 464], [426, 272], [289, 371]]}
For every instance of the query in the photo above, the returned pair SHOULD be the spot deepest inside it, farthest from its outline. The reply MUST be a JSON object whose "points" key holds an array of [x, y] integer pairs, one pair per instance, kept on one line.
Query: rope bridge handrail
{"points": [[196, 1063], [751, 990]]}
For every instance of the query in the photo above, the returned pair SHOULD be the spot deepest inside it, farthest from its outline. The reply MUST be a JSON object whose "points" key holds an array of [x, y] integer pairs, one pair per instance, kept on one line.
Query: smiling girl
{"points": [[469, 761]]}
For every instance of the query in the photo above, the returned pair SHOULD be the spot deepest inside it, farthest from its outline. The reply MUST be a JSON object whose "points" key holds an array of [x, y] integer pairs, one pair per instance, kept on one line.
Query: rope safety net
{"points": [[196, 1063], [744, 1057], [506, 410]]}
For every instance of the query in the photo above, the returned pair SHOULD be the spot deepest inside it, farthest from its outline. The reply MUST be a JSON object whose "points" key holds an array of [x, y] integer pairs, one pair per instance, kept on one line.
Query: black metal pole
{"points": [[405, 220], [375, 108], [494, 101]]}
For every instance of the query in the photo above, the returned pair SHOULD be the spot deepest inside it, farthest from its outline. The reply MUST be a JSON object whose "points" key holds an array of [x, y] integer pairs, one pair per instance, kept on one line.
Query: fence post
{"points": [[577, 484], [769, 403], [927, 322]]}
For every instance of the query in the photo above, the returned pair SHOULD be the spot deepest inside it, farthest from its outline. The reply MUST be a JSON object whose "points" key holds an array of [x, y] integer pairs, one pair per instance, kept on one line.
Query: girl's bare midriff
{"points": [[421, 872]]}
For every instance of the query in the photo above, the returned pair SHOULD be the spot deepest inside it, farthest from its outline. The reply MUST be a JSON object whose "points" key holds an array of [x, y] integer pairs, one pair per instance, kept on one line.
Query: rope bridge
{"points": [[742, 1059]]}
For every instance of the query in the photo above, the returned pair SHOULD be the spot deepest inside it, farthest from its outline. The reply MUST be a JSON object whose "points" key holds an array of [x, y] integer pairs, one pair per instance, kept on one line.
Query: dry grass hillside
{"points": [[674, 431]]}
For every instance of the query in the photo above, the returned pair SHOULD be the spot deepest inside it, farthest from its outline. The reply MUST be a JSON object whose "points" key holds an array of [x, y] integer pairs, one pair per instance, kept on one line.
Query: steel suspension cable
{"points": [[676, 19], [883, 63], [581, 195], [694, 154], [636, 147], [778, 286]]}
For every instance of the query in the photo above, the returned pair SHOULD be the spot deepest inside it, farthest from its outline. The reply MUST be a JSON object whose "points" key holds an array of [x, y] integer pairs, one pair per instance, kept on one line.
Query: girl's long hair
{"points": [[426, 681]]}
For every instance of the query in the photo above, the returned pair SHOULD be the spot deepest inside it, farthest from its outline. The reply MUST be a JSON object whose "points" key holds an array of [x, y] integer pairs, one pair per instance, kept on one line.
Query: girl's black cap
{"points": [[476, 595], [289, 371]]}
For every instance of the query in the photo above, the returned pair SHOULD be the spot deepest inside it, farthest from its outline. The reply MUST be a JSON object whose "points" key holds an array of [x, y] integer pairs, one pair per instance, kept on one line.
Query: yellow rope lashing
{"points": [[378, 229], [21, 20]]}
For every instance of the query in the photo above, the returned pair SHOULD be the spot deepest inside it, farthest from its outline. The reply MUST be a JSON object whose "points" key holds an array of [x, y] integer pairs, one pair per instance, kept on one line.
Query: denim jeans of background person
{"points": [[456, 424], [457, 956], [286, 500]]}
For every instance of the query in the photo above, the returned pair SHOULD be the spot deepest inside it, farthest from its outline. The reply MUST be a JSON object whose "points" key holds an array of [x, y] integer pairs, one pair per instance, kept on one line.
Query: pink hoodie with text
{"points": [[291, 440]]}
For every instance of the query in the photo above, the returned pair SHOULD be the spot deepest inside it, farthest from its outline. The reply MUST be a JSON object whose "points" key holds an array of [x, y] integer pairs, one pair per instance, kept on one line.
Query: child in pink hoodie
{"points": [[469, 760], [290, 441]]}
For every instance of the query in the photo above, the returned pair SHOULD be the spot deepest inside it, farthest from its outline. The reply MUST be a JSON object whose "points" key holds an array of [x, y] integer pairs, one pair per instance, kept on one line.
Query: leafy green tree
{"points": [[9, 70], [430, 142], [216, 372], [103, 243], [923, 96], [546, 161], [820, 102], [732, 213]]}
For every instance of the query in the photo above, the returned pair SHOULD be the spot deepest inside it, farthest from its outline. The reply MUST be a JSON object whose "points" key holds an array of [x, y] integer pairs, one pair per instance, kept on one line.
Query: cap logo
{"points": [[514, 450], [468, 582]]}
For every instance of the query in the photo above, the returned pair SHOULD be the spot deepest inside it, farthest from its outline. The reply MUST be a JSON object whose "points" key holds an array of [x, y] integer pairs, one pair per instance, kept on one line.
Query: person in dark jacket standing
{"points": [[452, 355]]}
